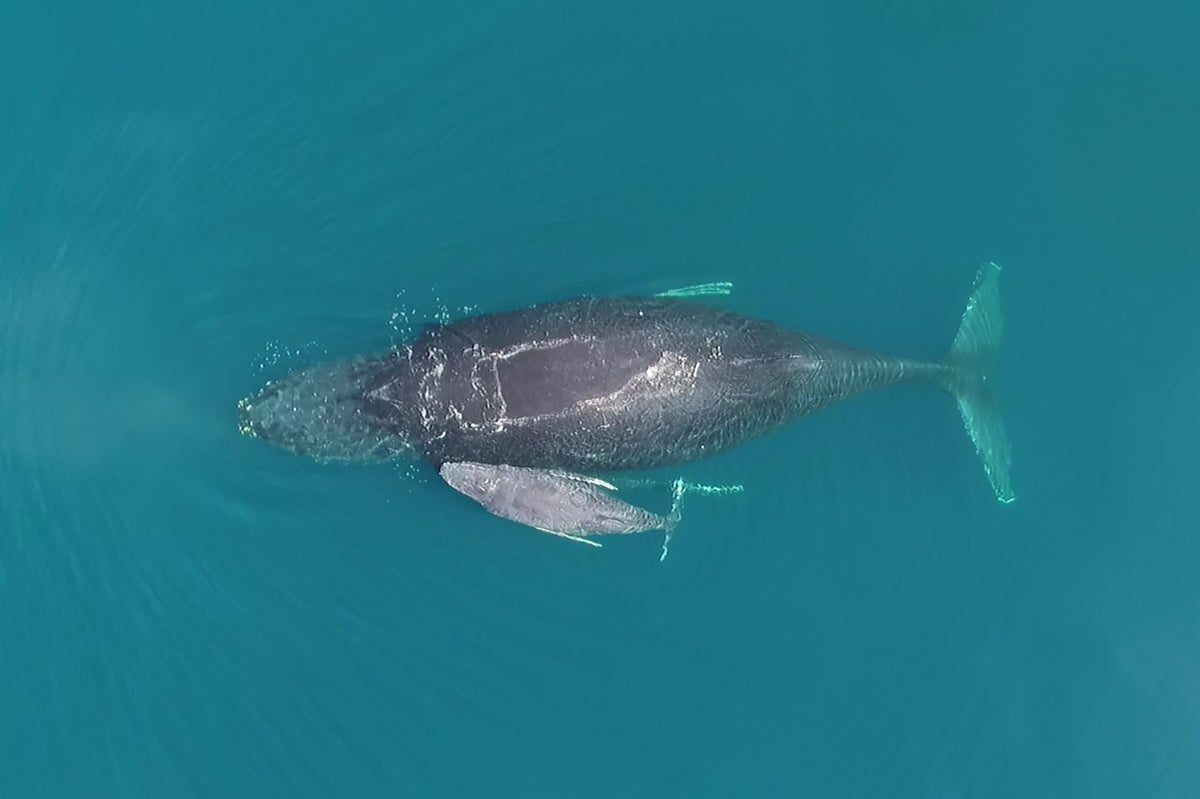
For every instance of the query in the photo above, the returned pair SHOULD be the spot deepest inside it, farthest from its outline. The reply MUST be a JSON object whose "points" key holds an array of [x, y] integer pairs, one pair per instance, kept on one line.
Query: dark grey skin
{"points": [[618, 383], [607, 384]]}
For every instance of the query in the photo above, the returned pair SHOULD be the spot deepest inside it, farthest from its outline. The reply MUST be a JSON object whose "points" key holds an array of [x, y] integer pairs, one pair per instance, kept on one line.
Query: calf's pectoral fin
{"points": [[580, 539]]}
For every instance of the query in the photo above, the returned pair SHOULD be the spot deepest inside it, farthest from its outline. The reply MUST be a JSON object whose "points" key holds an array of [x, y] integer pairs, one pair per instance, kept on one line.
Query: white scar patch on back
{"points": [[549, 344], [673, 373]]}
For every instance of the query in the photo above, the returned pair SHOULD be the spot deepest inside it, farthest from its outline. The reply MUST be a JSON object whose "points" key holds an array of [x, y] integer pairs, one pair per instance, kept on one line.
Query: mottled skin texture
{"points": [[612, 383]]}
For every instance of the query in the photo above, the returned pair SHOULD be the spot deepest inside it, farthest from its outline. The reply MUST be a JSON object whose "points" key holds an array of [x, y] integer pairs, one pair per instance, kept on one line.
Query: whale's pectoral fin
{"points": [[689, 488], [678, 489], [699, 290], [580, 539]]}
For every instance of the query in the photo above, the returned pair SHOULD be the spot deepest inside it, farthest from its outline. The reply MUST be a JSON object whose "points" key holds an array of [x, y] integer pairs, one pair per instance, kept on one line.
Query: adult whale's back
{"points": [[614, 383]]}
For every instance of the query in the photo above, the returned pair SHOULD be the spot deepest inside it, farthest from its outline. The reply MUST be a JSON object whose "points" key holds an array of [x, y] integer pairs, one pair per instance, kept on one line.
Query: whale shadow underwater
{"points": [[521, 410]]}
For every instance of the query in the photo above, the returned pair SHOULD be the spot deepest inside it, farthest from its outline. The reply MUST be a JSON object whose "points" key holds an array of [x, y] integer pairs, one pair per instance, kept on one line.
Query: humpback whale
{"points": [[571, 505], [520, 409]]}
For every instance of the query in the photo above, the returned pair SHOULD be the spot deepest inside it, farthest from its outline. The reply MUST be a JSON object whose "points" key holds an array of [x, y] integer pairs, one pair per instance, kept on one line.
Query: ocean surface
{"points": [[198, 198]]}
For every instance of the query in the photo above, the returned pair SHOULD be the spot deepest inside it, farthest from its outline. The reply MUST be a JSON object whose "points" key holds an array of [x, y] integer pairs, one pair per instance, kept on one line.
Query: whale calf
{"points": [[608, 384], [562, 503]]}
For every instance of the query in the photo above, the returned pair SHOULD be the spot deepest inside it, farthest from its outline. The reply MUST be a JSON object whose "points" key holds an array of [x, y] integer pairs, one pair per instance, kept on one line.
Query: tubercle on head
{"points": [[244, 407]]}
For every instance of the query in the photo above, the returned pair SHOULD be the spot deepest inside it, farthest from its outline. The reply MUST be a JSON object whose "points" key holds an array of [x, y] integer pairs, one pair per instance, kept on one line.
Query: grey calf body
{"points": [[556, 502]]}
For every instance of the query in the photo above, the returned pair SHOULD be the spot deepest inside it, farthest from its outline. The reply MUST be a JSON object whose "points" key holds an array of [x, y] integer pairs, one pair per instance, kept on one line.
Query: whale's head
{"points": [[327, 412], [479, 481]]}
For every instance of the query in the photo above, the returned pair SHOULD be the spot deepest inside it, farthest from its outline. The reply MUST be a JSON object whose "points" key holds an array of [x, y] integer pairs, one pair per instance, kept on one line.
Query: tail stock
{"points": [[970, 361]]}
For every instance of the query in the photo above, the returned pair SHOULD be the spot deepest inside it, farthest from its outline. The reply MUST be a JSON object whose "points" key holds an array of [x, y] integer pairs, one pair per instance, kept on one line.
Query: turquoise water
{"points": [[194, 200]]}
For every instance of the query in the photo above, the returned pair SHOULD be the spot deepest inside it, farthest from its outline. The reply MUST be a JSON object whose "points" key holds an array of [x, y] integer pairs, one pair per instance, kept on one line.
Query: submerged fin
{"points": [[580, 539], [677, 490], [700, 290], [970, 361]]}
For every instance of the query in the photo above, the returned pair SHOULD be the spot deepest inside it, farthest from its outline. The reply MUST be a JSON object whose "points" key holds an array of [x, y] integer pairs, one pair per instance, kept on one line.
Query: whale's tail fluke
{"points": [[970, 360]]}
